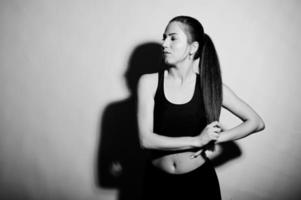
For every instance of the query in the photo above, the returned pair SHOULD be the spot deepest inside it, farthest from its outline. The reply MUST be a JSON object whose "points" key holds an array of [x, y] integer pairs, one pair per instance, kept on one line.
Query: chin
{"points": [[168, 62]]}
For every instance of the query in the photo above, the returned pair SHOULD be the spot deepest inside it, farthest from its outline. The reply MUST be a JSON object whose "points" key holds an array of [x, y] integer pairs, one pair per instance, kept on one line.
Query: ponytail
{"points": [[209, 69], [211, 80]]}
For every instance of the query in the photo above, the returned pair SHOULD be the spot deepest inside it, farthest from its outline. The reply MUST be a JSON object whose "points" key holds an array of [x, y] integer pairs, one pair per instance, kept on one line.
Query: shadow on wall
{"points": [[120, 160]]}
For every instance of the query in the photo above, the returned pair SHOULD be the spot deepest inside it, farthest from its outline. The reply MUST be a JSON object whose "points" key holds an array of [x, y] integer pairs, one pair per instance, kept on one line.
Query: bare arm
{"points": [[251, 121], [148, 139]]}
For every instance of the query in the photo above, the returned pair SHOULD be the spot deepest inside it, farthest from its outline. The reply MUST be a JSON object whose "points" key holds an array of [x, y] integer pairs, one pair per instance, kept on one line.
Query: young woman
{"points": [[178, 114]]}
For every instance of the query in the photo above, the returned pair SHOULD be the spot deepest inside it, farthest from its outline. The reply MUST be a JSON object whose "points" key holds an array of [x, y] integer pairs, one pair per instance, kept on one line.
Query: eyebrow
{"points": [[170, 34]]}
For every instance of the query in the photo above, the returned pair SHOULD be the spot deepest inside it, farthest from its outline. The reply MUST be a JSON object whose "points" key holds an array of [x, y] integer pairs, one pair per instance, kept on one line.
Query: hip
{"points": [[200, 183]]}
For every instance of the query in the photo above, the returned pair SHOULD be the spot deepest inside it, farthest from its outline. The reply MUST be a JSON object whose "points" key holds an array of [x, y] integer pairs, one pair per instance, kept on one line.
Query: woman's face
{"points": [[175, 44]]}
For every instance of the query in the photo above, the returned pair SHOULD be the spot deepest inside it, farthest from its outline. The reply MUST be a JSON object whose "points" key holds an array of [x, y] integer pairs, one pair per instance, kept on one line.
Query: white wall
{"points": [[62, 63]]}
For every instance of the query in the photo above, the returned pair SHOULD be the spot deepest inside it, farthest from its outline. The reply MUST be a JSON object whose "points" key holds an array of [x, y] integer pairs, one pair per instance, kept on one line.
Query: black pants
{"points": [[199, 184]]}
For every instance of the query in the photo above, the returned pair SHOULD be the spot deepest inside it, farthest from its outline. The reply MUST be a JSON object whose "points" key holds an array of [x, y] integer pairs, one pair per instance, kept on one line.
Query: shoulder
{"points": [[149, 78], [148, 83]]}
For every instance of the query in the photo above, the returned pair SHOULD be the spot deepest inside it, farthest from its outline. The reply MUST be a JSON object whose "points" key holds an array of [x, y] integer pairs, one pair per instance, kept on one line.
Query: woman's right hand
{"points": [[210, 133]]}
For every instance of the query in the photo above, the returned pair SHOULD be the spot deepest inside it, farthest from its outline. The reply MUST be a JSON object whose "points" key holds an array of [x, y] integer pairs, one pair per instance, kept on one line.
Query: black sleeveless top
{"points": [[176, 120]]}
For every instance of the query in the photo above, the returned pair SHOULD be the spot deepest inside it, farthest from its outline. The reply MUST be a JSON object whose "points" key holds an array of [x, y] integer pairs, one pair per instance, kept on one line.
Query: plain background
{"points": [[63, 62]]}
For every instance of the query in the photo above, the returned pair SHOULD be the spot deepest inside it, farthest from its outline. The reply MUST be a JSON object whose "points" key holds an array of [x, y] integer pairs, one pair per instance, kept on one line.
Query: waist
{"points": [[179, 162]]}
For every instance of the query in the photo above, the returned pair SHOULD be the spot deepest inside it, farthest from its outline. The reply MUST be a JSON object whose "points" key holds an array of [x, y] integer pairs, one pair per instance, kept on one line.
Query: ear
{"points": [[194, 46]]}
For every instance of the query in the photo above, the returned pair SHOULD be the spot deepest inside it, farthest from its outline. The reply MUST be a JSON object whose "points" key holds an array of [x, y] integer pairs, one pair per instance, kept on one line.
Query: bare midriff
{"points": [[179, 163]]}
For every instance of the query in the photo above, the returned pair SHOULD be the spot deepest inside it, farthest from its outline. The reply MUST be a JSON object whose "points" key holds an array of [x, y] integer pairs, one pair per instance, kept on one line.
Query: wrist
{"points": [[197, 142]]}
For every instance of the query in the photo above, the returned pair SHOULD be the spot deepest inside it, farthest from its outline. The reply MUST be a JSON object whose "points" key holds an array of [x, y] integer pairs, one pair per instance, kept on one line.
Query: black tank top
{"points": [[176, 120]]}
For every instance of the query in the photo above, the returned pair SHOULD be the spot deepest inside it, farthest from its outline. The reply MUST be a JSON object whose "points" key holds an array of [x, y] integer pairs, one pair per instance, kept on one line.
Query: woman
{"points": [[178, 113]]}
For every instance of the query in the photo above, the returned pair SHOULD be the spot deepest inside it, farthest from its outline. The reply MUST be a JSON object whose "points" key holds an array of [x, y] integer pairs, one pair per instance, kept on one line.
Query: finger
{"points": [[196, 154], [215, 123], [214, 129], [214, 136], [222, 126], [217, 130], [219, 125]]}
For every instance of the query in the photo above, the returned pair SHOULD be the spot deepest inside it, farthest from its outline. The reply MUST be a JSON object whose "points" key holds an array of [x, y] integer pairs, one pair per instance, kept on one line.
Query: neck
{"points": [[182, 72]]}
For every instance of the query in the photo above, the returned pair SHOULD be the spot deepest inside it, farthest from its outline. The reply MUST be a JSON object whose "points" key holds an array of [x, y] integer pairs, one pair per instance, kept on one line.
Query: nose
{"points": [[165, 43]]}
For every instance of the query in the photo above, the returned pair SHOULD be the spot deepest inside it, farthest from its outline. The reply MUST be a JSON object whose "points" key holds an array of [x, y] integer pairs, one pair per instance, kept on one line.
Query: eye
{"points": [[164, 37], [173, 38]]}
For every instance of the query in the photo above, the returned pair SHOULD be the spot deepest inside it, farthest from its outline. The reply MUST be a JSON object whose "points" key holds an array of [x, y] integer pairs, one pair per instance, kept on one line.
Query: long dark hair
{"points": [[209, 67]]}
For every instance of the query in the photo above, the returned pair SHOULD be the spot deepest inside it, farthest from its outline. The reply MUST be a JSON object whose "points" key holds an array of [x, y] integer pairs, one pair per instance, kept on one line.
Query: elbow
{"points": [[144, 143], [260, 125], [256, 124]]}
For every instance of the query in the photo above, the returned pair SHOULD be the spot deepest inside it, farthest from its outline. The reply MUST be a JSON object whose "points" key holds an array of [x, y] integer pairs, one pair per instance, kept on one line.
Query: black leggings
{"points": [[201, 184]]}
